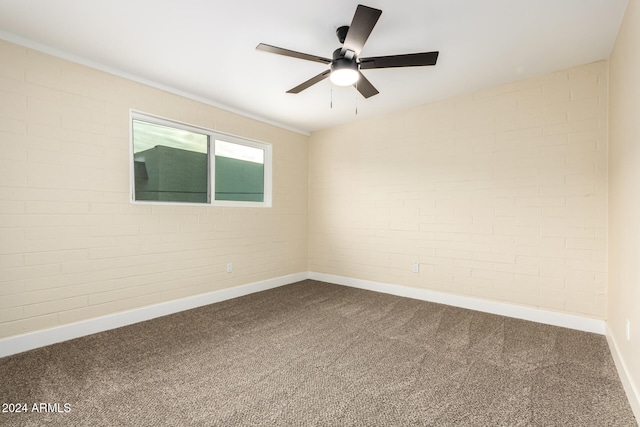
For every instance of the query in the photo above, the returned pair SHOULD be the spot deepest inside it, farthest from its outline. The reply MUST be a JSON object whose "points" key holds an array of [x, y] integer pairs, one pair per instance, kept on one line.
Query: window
{"points": [[177, 163]]}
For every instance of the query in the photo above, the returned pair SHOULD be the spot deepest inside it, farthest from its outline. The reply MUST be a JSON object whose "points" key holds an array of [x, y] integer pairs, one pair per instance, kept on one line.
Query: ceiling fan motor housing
{"points": [[348, 55]]}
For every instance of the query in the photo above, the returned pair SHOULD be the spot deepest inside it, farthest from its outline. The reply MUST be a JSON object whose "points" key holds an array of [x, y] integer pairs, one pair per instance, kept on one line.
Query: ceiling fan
{"points": [[346, 63]]}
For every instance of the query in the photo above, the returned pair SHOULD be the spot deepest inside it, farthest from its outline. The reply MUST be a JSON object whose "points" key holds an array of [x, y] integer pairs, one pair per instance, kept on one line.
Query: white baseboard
{"points": [[29, 341], [632, 391], [504, 309], [20, 343]]}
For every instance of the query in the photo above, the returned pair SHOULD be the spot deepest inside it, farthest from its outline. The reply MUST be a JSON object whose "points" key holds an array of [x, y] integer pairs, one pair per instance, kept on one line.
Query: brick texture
{"points": [[501, 194], [72, 247]]}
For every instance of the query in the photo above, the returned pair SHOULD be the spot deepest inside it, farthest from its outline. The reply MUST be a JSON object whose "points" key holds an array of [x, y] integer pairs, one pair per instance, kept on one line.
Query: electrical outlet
{"points": [[416, 267], [229, 267], [628, 330]]}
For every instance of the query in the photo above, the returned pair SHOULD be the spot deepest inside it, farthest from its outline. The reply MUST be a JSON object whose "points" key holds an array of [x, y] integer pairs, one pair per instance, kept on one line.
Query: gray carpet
{"points": [[316, 354]]}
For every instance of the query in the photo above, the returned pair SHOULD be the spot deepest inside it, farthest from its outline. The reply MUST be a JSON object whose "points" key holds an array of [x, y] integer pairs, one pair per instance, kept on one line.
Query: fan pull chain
{"points": [[356, 97], [331, 97]]}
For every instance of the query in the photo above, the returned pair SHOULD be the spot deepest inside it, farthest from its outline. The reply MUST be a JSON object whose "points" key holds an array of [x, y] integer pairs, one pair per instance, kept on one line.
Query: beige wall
{"points": [[501, 194], [624, 194], [72, 247]]}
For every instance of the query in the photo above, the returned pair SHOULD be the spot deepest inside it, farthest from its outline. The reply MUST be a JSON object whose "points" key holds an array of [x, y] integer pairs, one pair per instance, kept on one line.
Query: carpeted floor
{"points": [[316, 354]]}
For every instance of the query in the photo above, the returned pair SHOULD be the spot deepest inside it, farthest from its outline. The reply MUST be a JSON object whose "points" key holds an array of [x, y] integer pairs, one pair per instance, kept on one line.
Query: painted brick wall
{"points": [[72, 247], [501, 195], [623, 292]]}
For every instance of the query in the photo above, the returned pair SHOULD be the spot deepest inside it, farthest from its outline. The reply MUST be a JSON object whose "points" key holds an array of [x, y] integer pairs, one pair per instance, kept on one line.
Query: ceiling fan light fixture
{"points": [[344, 72]]}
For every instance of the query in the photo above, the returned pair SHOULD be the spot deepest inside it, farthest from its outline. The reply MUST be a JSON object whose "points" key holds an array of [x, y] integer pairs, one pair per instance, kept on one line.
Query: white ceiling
{"points": [[206, 48]]}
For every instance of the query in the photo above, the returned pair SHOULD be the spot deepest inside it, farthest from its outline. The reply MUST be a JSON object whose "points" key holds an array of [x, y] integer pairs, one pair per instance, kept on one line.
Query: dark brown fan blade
{"points": [[310, 82], [361, 26], [408, 60], [365, 87], [292, 53]]}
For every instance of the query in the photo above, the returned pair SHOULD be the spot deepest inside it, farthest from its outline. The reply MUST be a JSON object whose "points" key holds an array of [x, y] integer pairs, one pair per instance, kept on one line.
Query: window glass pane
{"points": [[239, 172], [170, 164], [240, 152]]}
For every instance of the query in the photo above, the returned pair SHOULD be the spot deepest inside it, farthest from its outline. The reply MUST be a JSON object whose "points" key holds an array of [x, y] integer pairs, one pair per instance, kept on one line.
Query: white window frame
{"points": [[213, 136]]}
